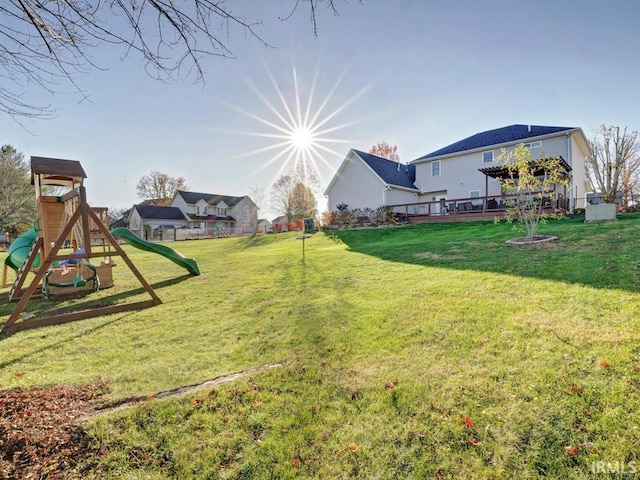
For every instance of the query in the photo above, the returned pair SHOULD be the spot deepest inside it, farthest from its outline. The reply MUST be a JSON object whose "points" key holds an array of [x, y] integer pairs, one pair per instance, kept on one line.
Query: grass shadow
{"points": [[81, 301], [55, 344], [600, 255]]}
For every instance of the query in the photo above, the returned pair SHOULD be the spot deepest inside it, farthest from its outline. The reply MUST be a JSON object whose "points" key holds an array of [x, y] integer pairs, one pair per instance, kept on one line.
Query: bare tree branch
{"points": [[47, 43], [615, 164], [158, 188]]}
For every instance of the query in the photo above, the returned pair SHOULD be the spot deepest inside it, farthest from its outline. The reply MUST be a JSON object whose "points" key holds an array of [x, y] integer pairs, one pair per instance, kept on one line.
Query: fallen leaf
{"points": [[467, 421], [571, 450]]}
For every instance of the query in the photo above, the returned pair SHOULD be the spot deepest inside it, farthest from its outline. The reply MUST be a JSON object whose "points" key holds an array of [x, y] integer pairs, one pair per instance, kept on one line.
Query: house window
{"points": [[531, 145], [435, 169], [201, 210], [487, 157], [222, 212], [474, 194]]}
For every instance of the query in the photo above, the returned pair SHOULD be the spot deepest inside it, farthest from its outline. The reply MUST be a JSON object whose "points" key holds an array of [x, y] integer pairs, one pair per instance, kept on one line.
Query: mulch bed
{"points": [[532, 240], [41, 436]]}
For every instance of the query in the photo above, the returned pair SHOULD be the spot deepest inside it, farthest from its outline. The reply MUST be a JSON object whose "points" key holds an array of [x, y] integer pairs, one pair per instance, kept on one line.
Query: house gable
{"points": [[221, 209], [368, 181], [201, 208]]}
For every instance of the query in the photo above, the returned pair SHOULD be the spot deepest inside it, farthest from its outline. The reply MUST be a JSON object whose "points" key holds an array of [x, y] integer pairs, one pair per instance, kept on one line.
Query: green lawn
{"points": [[425, 351]]}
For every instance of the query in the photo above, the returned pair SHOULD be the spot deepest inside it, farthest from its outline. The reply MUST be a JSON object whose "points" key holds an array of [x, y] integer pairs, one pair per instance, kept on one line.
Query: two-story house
{"points": [[223, 214], [463, 170]]}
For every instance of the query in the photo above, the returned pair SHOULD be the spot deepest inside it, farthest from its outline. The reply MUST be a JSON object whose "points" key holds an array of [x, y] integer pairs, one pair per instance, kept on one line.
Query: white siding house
{"points": [[228, 214], [454, 171], [458, 165]]}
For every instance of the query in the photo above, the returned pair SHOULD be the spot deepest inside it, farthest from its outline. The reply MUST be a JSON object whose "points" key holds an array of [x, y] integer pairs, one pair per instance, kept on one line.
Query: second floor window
{"points": [[222, 212], [435, 169], [487, 157], [201, 210]]}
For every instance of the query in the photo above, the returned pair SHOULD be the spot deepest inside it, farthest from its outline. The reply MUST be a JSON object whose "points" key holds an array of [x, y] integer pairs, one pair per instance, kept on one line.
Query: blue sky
{"points": [[416, 74]]}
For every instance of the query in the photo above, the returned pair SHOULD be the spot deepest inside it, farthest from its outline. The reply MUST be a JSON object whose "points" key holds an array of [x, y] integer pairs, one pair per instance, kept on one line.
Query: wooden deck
{"points": [[468, 209]]}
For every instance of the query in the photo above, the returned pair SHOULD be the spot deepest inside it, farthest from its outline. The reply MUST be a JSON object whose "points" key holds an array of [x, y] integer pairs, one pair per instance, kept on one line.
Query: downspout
{"points": [[384, 195]]}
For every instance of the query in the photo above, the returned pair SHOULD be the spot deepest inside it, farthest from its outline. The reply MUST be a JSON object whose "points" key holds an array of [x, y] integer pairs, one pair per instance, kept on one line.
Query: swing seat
{"points": [[91, 283]]}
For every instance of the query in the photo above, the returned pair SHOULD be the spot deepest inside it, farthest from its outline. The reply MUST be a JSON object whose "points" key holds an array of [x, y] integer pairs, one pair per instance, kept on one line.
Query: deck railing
{"points": [[473, 206]]}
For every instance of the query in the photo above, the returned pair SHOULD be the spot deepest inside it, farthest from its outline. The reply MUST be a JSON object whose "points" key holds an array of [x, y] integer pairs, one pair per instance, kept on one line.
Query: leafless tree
{"points": [[258, 195], [615, 164], [48, 42], [293, 194], [117, 213], [384, 150], [158, 188]]}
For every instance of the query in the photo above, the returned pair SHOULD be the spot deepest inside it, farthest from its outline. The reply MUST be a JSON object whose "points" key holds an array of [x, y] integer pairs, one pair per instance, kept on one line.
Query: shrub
{"points": [[358, 216]]}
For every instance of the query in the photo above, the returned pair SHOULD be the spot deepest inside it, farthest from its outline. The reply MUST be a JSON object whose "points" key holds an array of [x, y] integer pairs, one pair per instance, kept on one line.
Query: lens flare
{"points": [[302, 138], [302, 131]]}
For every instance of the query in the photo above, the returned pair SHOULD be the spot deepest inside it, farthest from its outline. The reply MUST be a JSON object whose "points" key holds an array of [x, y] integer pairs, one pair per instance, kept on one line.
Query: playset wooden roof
{"points": [[56, 169]]}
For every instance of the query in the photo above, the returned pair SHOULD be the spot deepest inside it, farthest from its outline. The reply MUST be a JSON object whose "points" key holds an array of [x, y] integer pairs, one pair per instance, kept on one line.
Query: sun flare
{"points": [[302, 138], [303, 132]]}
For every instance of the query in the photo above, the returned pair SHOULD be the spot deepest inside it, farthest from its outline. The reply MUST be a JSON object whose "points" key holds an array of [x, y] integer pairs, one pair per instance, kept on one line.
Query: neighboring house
{"points": [[221, 213], [153, 216], [368, 181], [280, 224], [265, 225], [463, 170]]}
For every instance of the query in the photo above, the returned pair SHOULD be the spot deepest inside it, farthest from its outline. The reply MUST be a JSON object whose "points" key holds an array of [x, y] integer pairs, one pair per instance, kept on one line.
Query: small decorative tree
{"points": [[533, 184]]}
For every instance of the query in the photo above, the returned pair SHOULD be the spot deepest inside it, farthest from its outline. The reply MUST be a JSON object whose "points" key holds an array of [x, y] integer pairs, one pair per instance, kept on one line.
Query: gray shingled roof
{"points": [[392, 173], [156, 212], [512, 133], [194, 197]]}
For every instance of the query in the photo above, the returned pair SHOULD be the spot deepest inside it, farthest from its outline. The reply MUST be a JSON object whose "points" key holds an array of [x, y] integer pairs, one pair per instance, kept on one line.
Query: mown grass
{"points": [[427, 351]]}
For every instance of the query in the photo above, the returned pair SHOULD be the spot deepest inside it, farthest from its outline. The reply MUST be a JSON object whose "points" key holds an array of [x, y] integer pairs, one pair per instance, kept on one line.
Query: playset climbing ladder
{"points": [[67, 222]]}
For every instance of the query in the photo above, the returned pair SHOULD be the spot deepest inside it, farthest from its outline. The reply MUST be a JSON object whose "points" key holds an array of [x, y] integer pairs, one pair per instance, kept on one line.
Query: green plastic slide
{"points": [[137, 242], [19, 250]]}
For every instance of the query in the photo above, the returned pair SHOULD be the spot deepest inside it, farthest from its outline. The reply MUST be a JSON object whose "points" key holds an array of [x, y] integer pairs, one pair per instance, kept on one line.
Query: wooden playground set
{"points": [[61, 251]]}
